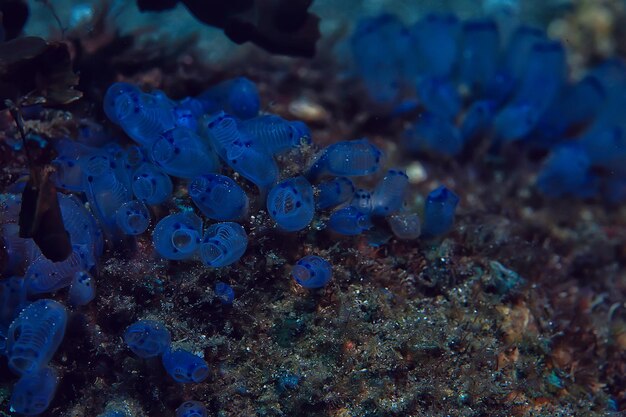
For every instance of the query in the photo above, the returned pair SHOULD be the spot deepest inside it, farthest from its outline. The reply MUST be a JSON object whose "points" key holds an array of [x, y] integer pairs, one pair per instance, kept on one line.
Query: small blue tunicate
{"points": [[334, 192], [275, 134], [477, 119], [541, 81], [184, 366], [68, 173], [182, 153], [256, 166], [348, 158], [218, 197], [479, 54], [349, 221], [435, 43], [224, 293], [191, 409], [567, 171], [111, 96], [80, 224], [290, 204], [362, 200], [104, 189], [185, 117], [518, 50], [177, 236], [151, 185], [148, 338], [312, 272], [223, 244], [144, 117], [405, 226], [222, 131], [435, 134], [439, 210], [43, 275], [83, 289], [382, 77], [576, 106], [439, 97], [240, 151], [389, 194], [133, 217], [35, 335], [34, 391], [237, 96]]}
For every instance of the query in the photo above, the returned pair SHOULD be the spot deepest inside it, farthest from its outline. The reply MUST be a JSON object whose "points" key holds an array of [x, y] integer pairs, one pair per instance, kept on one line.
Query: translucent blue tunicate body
{"points": [[518, 51], [143, 116], [223, 244], [275, 134], [191, 409], [182, 153], [218, 197], [33, 393], [567, 172], [435, 42], [348, 158], [114, 91], [177, 236], [148, 338], [80, 224], [133, 217], [576, 105], [68, 173], [362, 200], [104, 189], [35, 335], [435, 134], [240, 151], [479, 54], [238, 96], [373, 37], [151, 185], [290, 204], [439, 96], [222, 131], [405, 226], [477, 119], [255, 165], [334, 192], [389, 193], [184, 366], [44, 276], [540, 83], [439, 210], [224, 293], [82, 290], [312, 272], [185, 117], [349, 221]]}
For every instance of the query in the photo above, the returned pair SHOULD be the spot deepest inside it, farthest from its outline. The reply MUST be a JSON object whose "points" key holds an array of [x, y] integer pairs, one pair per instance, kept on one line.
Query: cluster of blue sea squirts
{"points": [[476, 87], [188, 143]]}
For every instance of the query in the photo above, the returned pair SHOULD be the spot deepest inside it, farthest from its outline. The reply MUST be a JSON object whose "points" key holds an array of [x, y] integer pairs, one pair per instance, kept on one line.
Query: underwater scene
{"points": [[303, 208]]}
